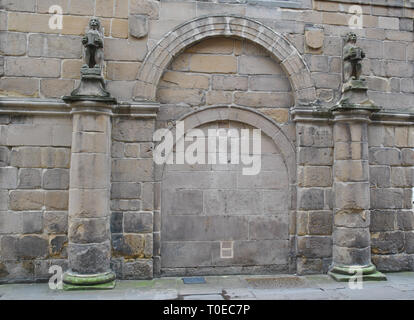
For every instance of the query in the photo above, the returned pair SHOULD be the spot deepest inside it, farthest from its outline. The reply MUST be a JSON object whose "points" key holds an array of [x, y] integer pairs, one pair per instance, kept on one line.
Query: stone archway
{"points": [[204, 208], [201, 28]]}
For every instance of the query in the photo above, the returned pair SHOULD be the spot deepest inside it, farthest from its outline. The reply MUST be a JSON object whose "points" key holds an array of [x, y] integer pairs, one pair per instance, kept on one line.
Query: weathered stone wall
{"points": [[134, 223], [314, 197], [391, 159], [34, 181], [41, 62]]}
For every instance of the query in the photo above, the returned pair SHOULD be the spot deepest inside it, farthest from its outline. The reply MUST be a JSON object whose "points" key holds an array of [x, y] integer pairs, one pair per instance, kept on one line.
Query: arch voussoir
{"points": [[201, 28]]}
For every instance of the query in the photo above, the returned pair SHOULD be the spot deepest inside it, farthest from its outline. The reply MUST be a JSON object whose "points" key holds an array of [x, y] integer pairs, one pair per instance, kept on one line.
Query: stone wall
{"points": [[391, 160], [34, 181], [40, 62]]}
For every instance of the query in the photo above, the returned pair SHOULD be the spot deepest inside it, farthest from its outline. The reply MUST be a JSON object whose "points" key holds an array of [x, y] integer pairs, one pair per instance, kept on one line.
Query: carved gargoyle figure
{"points": [[93, 43], [352, 56]]}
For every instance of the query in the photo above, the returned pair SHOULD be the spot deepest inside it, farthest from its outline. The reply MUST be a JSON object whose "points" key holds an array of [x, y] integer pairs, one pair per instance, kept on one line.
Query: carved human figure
{"points": [[352, 56], [93, 43]]}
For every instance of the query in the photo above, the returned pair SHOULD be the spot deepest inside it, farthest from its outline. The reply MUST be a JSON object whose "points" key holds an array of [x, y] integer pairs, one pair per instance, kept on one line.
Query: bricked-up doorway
{"points": [[215, 220]]}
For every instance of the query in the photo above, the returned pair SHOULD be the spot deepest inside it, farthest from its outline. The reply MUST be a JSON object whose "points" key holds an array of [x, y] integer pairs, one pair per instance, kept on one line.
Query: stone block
{"points": [[184, 80], [222, 82], [388, 23], [32, 222], [4, 156], [218, 97], [138, 269], [385, 156], [55, 221], [264, 99], [138, 222], [380, 176], [88, 170], [121, 90], [125, 49], [405, 220], [89, 203], [10, 222], [71, 68], [352, 219], [8, 178], [268, 228], [280, 115], [314, 136], [54, 46], [89, 258], [35, 157], [315, 156], [351, 237], [89, 142], [387, 242], [310, 198], [213, 64], [56, 179], [314, 246], [202, 228], [350, 132], [352, 195], [32, 67], [121, 70], [58, 246], [138, 25], [116, 225], [320, 223], [407, 156], [256, 65], [28, 22], [13, 43], [409, 242], [394, 262], [26, 200], [352, 256], [351, 170], [56, 88], [30, 178], [125, 190], [128, 130], [88, 230], [386, 198], [126, 205], [119, 28], [313, 176], [4, 200], [146, 149], [148, 196], [402, 177], [132, 246], [76, 25], [269, 83], [382, 220], [131, 170], [19, 86], [56, 200]]}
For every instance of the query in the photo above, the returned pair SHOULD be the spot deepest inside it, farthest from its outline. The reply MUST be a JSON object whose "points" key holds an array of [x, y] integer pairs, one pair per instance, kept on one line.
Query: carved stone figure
{"points": [[352, 56], [93, 43]]}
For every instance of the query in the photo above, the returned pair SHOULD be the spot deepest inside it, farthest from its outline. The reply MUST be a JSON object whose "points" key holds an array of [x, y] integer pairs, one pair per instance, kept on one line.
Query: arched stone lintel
{"points": [[193, 31]]}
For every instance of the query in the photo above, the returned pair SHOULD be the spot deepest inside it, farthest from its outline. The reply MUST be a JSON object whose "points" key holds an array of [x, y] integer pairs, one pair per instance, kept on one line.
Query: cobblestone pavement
{"points": [[278, 287]]}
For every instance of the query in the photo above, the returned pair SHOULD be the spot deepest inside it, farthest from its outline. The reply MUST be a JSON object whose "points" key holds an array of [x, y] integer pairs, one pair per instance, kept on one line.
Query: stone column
{"points": [[351, 236], [89, 195]]}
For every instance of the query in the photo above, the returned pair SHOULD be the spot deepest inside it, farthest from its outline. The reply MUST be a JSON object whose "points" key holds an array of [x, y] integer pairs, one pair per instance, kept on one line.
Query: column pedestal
{"points": [[89, 250]]}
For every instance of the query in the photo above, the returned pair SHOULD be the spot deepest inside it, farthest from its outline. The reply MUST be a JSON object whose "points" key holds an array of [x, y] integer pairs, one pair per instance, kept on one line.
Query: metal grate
{"points": [[194, 280]]}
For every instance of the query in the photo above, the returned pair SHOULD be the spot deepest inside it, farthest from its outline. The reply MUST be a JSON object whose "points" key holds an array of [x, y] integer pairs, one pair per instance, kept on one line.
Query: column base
{"points": [[345, 273], [100, 281]]}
